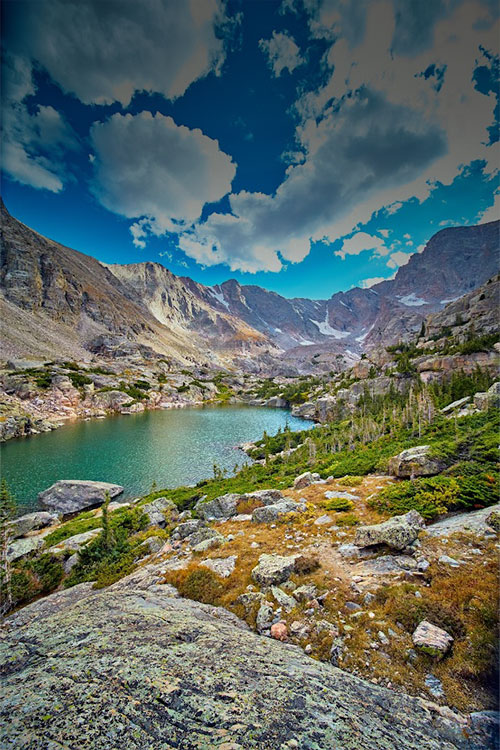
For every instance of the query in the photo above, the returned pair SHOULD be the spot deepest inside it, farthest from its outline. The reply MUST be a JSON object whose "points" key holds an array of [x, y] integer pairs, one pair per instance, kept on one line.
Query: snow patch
{"points": [[352, 354], [219, 297], [326, 329], [343, 303], [364, 335], [446, 301], [411, 300]]}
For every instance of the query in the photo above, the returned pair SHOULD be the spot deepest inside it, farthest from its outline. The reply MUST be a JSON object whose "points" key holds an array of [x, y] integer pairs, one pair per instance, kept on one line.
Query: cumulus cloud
{"points": [[34, 143], [105, 51], [360, 242], [282, 53], [367, 283], [148, 167], [376, 134], [493, 212], [398, 259]]}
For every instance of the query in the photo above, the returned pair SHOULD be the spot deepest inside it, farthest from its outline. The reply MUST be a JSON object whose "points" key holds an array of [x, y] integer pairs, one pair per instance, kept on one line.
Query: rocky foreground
{"points": [[134, 666]]}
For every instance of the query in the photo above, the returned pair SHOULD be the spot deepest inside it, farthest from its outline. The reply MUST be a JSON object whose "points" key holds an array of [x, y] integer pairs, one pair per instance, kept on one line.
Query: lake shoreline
{"points": [[172, 447]]}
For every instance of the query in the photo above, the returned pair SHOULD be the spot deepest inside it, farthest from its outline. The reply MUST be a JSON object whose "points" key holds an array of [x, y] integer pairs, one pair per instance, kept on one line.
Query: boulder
{"points": [[323, 521], [23, 547], [284, 600], [210, 543], [306, 411], [340, 495], [202, 535], [273, 569], [74, 543], [493, 520], [224, 506], [76, 648], [415, 462], [154, 544], [455, 405], [269, 513], [264, 618], [432, 640], [279, 631], [222, 566], [31, 522], [398, 532], [68, 496], [305, 479], [156, 510], [187, 528], [266, 497], [305, 593], [391, 565]]}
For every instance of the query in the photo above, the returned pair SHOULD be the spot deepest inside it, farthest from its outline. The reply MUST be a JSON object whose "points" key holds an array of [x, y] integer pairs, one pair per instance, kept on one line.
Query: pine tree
{"points": [[107, 536], [7, 507]]}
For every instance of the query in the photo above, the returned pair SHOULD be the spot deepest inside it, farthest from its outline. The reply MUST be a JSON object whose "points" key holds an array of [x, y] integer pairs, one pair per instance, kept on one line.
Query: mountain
{"points": [[56, 301]]}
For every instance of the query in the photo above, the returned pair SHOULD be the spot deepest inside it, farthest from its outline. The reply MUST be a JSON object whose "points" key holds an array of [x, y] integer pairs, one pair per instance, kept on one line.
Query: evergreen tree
{"points": [[7, 507]]}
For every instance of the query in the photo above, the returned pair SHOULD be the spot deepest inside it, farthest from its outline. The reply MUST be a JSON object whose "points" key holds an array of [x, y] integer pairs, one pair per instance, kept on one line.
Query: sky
{"points": [[306, 146]]}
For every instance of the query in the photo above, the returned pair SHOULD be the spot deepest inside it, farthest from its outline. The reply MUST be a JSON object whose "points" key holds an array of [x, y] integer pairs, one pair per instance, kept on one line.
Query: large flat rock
{"points": [[131, 666], [69, 496]]}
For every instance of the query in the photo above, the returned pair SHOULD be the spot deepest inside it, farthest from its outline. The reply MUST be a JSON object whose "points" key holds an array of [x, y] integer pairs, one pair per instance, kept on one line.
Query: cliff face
{"points": [[131, 664]]}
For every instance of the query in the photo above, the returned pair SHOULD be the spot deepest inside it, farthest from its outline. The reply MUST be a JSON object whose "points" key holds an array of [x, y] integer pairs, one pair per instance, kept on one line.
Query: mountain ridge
{"points": [[89, 307]]}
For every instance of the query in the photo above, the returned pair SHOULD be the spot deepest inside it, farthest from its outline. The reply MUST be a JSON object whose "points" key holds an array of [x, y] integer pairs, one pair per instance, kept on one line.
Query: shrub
{"points": [[338, 504], [430, 497], [200, 584], [79, 380], [347, 519], [350, 481]]}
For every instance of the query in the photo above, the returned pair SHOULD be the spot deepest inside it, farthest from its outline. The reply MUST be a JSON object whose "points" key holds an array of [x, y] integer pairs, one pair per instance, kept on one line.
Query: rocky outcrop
{"points": [[31, 522], [74, 543], [68, 496], [476, 521], [415, 462], [270, 513], [20, 548], [398, 532], [134, 666], [224, 506], [305, 479], [273, 569], [158, 510]]}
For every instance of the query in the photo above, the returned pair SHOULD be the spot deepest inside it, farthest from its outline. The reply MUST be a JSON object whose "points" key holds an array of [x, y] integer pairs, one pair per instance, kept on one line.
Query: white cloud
{"points": [[493, 212], [105, 51], [282, 53], [33, 142], [384, 232], [398, 259], [375, 135], [360, 242], [148, 167], [367, 283]]}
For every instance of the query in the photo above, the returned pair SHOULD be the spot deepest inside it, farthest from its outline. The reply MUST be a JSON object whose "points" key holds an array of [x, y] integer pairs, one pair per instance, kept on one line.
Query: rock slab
{"points": [[398, 532], [68, 496], [134, 667]]}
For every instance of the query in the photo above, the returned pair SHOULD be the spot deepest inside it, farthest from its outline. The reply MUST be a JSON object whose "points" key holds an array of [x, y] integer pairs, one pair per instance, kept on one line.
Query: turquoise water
{"points": [[171, 447]]}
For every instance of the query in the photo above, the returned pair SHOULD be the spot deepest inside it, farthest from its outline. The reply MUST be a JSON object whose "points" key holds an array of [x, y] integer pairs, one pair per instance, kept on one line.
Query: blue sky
{"points": [[303, 145]]}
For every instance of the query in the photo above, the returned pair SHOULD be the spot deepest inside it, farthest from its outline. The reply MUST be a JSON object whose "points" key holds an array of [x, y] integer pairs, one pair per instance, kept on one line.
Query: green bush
{"points": [[430, 497], [338, 504]]}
